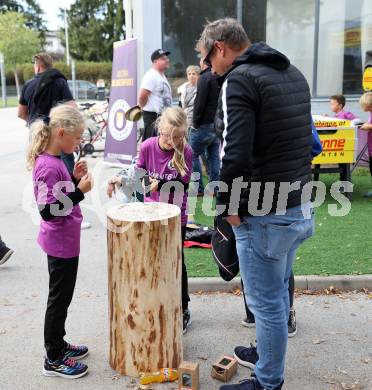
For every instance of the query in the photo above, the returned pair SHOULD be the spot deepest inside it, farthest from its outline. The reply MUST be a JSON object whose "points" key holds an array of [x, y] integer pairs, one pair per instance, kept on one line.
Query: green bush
{"points": [[91, 71]]}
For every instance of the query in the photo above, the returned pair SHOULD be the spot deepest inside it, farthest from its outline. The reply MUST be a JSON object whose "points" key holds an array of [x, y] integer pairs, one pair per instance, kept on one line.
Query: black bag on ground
{"points": [[224, 249], [202, 234]]}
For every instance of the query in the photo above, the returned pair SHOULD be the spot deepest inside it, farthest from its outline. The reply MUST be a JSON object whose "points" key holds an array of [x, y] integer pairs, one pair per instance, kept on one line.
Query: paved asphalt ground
{"points": [[333, 348]]}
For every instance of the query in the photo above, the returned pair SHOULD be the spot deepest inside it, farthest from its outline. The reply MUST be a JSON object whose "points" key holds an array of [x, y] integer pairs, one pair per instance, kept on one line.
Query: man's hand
{"points": [[234, 220], [23, 112], [143, 97], [80, 169]]}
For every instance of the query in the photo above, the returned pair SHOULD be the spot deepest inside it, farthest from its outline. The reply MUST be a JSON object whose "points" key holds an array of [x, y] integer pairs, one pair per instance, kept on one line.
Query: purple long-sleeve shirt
{"points": [[59, 237], [345, 115], [158, 164]]}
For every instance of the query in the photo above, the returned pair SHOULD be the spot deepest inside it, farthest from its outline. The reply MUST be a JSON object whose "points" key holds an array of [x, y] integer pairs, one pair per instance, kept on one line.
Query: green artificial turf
{"points": [[341, 245]]}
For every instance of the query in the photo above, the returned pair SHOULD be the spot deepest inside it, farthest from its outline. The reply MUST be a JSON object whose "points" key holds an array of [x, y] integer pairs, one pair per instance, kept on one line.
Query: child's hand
{"points": [[153, 184], [86, 183], [80, 169], [111, 188], [366, 127]]}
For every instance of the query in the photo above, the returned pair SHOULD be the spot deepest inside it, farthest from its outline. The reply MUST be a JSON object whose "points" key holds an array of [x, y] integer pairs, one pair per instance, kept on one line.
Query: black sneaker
{"points": [[75, 352], [186, 320], [5, 255], [247, 357], [65, 368], [292, 326], [248, 384], [249, 322]]}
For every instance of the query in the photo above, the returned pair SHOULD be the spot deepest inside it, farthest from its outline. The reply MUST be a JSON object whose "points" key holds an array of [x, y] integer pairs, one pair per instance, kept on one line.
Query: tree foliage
{"points": [[31, 11], [94, 25], [17, 42]]}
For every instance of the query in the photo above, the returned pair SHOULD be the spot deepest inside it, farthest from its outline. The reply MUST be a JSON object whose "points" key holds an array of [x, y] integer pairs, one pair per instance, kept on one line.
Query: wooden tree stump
{"points": [[144, 271]]}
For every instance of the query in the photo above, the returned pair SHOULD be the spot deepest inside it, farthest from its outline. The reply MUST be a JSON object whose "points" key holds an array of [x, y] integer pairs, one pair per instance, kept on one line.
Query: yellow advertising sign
{"points": [[326, 122], [338, 138], [367, 79], [352, 37], [338, 148]]}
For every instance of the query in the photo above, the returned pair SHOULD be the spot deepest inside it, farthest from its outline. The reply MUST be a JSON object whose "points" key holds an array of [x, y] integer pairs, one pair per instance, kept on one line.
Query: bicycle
{"points": [[97, 125]]}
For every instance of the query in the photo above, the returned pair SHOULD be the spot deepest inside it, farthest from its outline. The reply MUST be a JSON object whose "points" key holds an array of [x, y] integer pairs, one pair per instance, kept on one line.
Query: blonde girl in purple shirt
{"points": [[58, 195], [168, 159]]}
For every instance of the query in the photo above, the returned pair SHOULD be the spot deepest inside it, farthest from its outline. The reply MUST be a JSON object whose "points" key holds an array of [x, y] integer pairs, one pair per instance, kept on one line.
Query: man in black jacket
{"points": [[264, 113], [202, 137], [40, 94]]}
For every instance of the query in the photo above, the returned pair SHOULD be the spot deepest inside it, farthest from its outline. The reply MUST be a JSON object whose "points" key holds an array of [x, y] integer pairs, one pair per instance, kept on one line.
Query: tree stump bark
{"points": [[144, 280]]}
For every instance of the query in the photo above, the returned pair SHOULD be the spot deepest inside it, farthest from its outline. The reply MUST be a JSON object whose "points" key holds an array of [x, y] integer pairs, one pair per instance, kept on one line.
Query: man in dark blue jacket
{"points": [[264, 115]]}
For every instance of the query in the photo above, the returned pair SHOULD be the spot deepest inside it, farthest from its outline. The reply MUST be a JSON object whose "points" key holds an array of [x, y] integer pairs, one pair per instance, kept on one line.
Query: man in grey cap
{"points": [[264, 115], [155, 93]]}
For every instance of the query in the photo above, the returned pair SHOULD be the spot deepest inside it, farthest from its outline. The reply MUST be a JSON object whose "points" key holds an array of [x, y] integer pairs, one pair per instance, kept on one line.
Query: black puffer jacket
{"points": [[264, 116], [205, 103]]}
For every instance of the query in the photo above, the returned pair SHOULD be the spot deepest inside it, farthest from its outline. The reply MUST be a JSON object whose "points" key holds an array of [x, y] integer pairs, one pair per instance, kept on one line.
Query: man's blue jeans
{"points": [[204, 139], [267, 248]]}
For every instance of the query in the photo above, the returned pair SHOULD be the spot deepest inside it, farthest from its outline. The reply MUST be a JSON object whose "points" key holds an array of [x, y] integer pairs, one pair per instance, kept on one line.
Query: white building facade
{"points": [[326, 40]]}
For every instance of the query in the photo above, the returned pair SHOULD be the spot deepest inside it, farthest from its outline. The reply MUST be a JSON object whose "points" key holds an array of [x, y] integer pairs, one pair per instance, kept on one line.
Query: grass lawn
{"points": [[340, 246], [11, 102]]}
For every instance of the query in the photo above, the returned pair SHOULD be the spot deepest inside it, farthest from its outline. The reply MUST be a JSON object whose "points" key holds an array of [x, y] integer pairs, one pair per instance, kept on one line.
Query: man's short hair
{"points": [[227, 30], [340, 99], [44, 59]]}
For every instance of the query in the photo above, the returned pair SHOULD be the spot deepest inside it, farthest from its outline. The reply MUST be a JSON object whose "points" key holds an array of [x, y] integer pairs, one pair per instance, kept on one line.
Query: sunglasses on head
{"points": [[206, 59], [34, 58]]}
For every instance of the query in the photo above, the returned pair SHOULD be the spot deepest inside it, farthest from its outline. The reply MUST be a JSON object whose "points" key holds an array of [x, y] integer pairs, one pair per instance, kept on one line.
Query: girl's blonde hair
{"points": [[193, 68], [63, 116], [171, 119], [366, 100]]}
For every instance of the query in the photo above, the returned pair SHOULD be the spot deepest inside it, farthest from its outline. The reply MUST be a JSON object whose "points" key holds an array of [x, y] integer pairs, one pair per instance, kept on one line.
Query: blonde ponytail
{"points": [[40, 136], [63, 116], [171, 119]]}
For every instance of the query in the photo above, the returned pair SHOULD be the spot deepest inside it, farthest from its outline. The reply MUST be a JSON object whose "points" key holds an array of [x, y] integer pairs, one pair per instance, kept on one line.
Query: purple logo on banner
{"points": [[121, 138]]}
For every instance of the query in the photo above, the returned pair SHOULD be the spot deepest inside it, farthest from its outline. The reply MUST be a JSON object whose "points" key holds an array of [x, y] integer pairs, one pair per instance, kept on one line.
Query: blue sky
{"points": [[51, 9]]}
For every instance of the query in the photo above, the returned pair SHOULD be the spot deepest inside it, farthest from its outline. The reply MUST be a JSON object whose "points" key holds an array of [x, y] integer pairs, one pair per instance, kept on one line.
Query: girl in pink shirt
{"points": [[167, 159]]}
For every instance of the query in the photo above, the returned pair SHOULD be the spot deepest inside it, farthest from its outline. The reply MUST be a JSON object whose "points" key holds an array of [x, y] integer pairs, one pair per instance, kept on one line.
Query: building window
{"points": [[183, 22], [345, 34], [290, 27], [326, 40]]}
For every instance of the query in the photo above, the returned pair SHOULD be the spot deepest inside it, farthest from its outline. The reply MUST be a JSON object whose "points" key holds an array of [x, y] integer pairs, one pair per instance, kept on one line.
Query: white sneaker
{"points": [[85, 225]]}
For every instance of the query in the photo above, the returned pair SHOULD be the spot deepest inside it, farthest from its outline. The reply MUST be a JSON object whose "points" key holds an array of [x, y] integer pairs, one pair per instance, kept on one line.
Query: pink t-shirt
{"points": [[158, 164], [59, 237], [345, 115]]}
